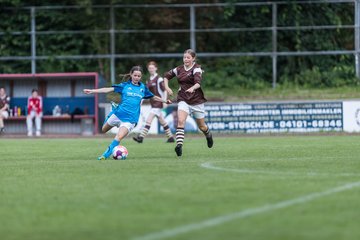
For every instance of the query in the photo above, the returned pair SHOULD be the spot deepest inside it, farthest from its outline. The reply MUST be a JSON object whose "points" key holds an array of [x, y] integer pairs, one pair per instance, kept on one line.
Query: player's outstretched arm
{"points": [[99, 90], [159, 99], [166, 85]]}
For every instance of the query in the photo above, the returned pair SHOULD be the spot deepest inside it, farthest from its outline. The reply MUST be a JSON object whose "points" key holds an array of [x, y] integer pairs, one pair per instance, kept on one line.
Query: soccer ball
{"points": [[120, 153]]}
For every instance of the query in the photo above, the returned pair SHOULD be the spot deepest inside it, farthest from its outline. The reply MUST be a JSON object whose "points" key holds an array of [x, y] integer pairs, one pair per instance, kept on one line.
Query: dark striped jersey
{"points": [[186, 79], [156, 85]]}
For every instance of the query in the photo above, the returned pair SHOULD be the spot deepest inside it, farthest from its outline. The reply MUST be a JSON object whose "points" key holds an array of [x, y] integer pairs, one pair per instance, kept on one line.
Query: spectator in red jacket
{"points": [[34, 109]]}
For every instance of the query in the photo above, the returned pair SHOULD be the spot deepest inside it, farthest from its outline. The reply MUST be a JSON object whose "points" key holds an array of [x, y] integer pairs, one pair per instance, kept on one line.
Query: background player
{"points": [[190, 97], [4, 108], [126, 115], [155, 84]]}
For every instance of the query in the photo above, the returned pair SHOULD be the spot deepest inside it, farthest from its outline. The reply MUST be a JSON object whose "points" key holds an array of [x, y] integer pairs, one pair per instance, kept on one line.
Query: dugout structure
{"points": [[79, 112]]}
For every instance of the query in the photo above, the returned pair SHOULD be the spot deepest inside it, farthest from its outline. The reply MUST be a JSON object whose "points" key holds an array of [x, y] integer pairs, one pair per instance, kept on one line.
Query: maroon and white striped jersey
{"points": [[156, 85], [186, 79]]}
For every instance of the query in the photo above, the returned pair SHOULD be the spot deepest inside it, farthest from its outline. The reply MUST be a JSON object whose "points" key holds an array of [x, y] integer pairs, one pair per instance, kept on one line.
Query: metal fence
{"points": [[192, 30]]}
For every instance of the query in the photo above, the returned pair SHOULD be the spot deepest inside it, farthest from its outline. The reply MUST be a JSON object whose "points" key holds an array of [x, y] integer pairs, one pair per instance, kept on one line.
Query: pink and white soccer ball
{"points": [[120, 153]]}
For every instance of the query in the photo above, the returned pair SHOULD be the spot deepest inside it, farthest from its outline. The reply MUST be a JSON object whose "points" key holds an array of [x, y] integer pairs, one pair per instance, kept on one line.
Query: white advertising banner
{"points": [[351, 116]]}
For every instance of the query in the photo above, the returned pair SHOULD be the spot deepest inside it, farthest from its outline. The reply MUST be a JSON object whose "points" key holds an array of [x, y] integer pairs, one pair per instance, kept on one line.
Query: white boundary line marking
{"points": [[208, 165], [244, 213]]}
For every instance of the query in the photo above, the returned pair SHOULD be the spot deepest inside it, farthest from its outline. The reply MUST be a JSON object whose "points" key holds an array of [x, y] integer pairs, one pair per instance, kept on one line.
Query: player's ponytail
{"points": [[125, 77]]}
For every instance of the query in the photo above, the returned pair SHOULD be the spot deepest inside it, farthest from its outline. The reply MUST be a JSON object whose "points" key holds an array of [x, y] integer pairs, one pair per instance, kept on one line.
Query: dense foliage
{"points": [[224, 72]]}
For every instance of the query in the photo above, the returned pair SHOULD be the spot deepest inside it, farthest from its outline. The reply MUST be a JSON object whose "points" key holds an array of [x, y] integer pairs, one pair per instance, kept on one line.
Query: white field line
{"points": [[245, 170], [167, 233]]}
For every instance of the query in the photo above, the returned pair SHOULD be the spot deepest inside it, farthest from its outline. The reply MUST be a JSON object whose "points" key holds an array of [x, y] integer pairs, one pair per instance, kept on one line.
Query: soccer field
{"points": [[287, 187]]}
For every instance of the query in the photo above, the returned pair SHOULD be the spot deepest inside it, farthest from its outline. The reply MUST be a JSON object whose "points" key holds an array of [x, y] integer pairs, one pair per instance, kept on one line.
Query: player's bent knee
{"points": [[162, 121], [105, 128], [181, 123]]}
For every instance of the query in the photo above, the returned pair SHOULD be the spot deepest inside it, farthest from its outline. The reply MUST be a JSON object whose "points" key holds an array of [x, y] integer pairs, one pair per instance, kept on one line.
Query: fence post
{"points": [[274, 44], [33, 40], [112, 44], [192, 28], [357, 37]]}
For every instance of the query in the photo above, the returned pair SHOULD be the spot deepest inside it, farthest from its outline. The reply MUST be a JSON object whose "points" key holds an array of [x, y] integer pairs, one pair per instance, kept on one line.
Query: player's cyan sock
{"points": [[109, 150]]}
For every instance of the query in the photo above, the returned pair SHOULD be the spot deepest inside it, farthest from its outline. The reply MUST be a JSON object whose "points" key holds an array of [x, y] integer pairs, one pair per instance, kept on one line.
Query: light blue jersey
{"points": [[131, 96]]}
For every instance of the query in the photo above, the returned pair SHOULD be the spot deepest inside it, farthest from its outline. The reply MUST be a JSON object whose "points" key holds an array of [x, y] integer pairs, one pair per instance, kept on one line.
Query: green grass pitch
{"points": [[285, 187]]}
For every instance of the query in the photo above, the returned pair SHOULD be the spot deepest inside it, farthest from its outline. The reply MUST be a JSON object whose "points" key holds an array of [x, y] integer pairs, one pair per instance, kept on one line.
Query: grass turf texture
{"points": [[55, 189]]}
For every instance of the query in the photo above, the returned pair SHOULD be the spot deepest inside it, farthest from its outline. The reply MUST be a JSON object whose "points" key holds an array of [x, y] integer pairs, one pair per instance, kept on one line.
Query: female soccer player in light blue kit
{"points": [[126, 115]]}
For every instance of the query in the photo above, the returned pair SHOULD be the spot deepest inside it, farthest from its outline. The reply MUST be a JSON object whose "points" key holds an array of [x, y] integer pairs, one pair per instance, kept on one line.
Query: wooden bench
{"points": [[64, 124]]}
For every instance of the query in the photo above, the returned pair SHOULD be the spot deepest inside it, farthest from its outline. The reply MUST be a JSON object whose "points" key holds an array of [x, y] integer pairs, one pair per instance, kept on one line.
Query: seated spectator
{"points": [[34, 109], [4, 108]]}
